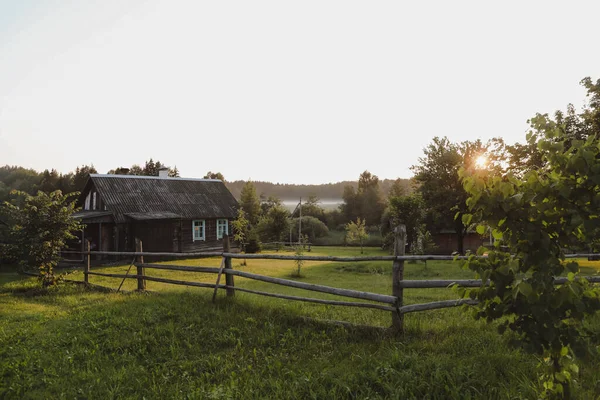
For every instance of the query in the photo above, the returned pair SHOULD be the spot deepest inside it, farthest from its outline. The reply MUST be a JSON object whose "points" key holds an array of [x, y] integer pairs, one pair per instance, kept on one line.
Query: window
{"points": [[198, 230], [222, 228], [94, 201], [87, 202]]}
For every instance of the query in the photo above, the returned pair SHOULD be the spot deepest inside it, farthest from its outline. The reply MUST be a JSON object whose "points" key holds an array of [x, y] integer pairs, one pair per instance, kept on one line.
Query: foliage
{"points": [[214, 175], [311, 208], [241, 228], [150, 168], [540, 217], [312, 228], [40, 228], [440, 186], [253, 245], [356, 232], [274, 226], [367, 202], [398, 188], [266, 205], [250, 203], [299, 252], [407, 210]]}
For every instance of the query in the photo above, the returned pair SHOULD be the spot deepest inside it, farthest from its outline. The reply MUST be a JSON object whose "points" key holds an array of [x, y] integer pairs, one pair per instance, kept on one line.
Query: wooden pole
{"points": [[228, 277], [398, 277], [140, 270], [300, 225], [86, 267]]}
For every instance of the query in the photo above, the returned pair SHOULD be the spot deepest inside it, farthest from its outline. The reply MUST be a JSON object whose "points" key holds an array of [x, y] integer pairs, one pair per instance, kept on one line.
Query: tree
{"points": [[81, 176], [40, 228], [214, 175], [407, 210], [249, 203], [537, 217], [270, 202], [370, 198], [312, 228], [367, 202], [273, 226], [311, 208], [356, 232], [350, 209], [439, 184], [241, 228], [398, 189]]}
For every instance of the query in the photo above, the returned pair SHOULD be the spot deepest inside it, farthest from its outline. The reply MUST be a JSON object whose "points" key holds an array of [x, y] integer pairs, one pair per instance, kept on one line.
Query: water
{"points": [[329, 204]]}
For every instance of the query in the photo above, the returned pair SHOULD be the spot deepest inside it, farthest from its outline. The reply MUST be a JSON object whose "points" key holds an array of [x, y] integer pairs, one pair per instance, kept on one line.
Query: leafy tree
{"points": [[398, 188], [249, 203], [370, 198], [214, 175], [312, 228], [40, 228], [366, 202], [81, 176], [174, 172], [407, 210], [273, 226], [241, 227], [350, 209], [538, 217], [356, 232], [268, 204], [439, 184], [311, 208]]}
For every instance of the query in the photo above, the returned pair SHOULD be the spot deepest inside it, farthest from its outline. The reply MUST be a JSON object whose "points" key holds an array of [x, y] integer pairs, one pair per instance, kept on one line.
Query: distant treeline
{"points": [[30, 181], [323, 191]]}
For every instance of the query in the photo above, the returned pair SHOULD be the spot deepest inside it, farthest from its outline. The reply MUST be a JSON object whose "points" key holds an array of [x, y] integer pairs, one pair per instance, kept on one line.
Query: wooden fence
{"points": [[393, 303]]}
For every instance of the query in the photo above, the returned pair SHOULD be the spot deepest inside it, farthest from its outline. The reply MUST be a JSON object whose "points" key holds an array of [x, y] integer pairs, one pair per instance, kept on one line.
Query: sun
{"points": [[481, 161]]}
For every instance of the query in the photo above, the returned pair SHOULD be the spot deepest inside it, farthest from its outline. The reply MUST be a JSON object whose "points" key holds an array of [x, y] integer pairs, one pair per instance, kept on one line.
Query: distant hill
{"points": [[327, 191]]}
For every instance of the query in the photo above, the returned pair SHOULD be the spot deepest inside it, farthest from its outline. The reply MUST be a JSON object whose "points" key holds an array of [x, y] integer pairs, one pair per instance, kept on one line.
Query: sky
{"points": [[281, 91]]}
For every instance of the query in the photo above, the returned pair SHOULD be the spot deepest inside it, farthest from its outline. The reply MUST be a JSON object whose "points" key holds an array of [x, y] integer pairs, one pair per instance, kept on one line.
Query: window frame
{"points": [[226, 227], [203, 238]]}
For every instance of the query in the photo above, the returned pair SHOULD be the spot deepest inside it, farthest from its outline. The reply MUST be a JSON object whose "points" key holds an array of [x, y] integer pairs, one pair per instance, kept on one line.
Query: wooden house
{"points": [[167, 214]]}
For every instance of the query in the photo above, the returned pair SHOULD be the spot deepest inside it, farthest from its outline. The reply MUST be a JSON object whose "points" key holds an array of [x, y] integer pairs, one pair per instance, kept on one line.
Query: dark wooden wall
{"points": [[448, 242]]}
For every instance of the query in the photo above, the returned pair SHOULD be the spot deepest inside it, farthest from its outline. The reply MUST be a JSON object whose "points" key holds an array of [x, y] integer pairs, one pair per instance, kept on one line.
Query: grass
{"points": [[174, 342]]}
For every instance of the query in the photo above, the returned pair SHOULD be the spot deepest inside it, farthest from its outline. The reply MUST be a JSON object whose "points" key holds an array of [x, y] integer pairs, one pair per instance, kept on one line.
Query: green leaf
{"points": [[480, 229]]}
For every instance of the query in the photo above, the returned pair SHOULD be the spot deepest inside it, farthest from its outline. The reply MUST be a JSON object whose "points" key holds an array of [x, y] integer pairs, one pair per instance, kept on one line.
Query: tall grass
{"points": [[175, 343]]}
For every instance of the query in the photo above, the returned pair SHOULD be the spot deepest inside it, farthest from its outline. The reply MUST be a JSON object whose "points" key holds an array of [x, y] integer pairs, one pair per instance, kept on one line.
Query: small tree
{"points": [[241, 227], [539, 217], [356, 232], [40, 227]]}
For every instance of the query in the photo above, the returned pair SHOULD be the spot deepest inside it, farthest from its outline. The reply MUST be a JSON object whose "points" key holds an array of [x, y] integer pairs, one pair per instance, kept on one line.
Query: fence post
{"points": [[140, 270], [228, 277], [86, 266], [398, 276]]}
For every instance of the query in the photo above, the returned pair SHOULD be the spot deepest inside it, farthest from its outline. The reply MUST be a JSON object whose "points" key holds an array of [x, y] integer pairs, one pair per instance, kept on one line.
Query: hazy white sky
{"points": [[282, 91]]}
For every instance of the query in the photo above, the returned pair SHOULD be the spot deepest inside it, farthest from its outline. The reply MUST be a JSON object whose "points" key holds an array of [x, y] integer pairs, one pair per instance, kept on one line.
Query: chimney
{"points": [[163, 172]]}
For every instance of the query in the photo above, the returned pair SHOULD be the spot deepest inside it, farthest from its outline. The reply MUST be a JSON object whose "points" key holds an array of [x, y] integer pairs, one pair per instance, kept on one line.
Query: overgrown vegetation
{"points": [[39, 228], [174, 343], [537, 217]]}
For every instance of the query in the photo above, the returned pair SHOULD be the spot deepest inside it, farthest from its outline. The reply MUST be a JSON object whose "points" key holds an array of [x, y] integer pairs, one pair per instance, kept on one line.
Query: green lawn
{"points": [[175, 343]]}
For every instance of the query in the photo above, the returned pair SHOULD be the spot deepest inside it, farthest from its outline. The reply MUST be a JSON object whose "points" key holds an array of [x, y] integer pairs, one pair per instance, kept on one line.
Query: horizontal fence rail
{"points": [[391, 303]]}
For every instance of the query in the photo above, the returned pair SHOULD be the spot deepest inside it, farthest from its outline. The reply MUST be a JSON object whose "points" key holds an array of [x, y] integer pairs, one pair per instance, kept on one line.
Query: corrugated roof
{"points": [[187, 198]]}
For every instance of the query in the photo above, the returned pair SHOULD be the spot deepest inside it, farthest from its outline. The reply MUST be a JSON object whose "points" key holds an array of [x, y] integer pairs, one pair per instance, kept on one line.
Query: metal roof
{"points": [[171, 197]]}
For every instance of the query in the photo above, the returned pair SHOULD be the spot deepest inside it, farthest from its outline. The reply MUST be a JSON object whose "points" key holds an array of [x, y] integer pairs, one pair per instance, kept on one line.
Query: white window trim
{"points": [[87, 201], [94, 203], [226, 228], [203, 239]]}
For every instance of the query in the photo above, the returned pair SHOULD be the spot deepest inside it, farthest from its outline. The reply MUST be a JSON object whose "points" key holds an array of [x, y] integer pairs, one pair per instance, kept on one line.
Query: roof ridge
{"points": [[152, 177]]}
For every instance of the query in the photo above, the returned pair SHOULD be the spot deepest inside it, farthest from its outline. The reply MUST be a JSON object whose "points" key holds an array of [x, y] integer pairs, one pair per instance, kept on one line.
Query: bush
{"points": [[253, 245]]}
